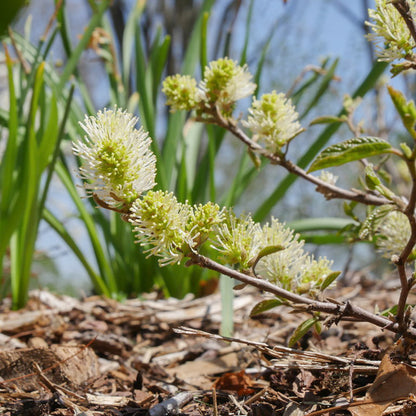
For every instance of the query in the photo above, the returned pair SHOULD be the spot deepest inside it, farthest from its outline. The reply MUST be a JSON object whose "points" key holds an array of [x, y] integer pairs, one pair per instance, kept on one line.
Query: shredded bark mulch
{"points": [[156, 357]]}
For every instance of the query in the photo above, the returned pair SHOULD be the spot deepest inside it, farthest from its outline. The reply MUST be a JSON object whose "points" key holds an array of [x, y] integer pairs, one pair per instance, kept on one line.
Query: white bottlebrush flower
{"points": [[117, 163], [273, 120], [160, 221], [392, 233], [225, 82], [283, 267], [238, 240], [390, 34]]}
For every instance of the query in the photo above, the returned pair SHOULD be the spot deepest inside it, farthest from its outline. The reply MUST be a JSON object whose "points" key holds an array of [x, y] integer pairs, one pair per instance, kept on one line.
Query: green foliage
{"points": [[303, 329], [350, 150], [25, 172], [265, 305], [406, 110]]}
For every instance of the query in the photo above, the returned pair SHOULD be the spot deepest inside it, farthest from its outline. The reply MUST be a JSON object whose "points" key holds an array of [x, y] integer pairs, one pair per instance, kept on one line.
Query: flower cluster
{"points": [[224, 82], [274, 121], [240, 242], [171, 228], [390, 34], [117, 164], [119, 169]]}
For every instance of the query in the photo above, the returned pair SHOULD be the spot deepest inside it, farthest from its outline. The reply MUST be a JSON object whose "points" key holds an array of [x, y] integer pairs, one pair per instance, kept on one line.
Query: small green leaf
{"points": [[406, 150], [265, 305], [326, 120], [302, 329], [329, 279], [406, 110], [371, 178], [349, 150], [266, 251]]}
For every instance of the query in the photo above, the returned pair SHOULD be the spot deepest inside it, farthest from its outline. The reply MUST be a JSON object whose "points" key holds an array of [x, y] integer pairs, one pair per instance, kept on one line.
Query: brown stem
{"points": [[406, 284], [403, 8], [339, 310], [330, 191]]}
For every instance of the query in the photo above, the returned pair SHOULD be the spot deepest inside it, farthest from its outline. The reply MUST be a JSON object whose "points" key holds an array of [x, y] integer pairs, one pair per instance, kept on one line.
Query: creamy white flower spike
{"points": [[274, 121], [117, 162], [393, 233], [390, 34]]}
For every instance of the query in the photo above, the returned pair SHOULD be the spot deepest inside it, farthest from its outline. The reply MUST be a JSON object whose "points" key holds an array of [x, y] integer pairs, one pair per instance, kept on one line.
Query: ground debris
{"points": [[148, 357]]}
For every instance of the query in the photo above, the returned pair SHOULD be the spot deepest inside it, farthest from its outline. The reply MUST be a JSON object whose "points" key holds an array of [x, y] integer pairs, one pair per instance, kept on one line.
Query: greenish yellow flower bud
{"points": [[202, 221], [180, 91], [224, 83]]}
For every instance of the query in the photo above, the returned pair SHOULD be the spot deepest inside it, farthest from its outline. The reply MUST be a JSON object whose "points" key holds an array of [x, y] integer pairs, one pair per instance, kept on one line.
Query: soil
{"points": [[151, 356]]}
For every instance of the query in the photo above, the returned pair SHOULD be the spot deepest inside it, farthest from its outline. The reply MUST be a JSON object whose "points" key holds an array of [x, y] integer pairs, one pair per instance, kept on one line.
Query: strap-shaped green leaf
{"points": [[350, 150]]}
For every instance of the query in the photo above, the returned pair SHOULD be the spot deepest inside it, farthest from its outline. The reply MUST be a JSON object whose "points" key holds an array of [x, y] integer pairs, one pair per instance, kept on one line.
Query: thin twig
{"points": [[340, 311], [330, 191]]}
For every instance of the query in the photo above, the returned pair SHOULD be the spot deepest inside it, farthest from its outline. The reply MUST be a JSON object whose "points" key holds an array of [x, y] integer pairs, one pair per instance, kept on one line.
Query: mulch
{"points": [[151, 356]]}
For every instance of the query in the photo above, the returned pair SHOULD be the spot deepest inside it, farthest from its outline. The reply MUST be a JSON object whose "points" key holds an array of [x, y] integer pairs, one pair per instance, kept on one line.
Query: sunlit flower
{"points": [[393, 233], [225, 82], [180, 91], [117, 164], [283, 267], [291, 268], [238, 240], [274, 121], [389, 31], [160, 221]]}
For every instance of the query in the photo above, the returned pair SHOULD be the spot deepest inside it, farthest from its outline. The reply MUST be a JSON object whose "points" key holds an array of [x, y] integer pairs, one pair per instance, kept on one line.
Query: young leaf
{"points": [[349, 150], [302, 329], [406, 110], [266, 251], [329, 279], [326, 120], [265, 305]]}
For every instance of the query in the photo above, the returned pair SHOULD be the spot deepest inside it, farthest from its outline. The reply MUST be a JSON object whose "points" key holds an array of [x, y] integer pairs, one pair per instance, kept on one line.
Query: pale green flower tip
{"points": [[224, 83], [274, 121], [390, 34], [180, 91], [160, 221], [117, 163]]}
